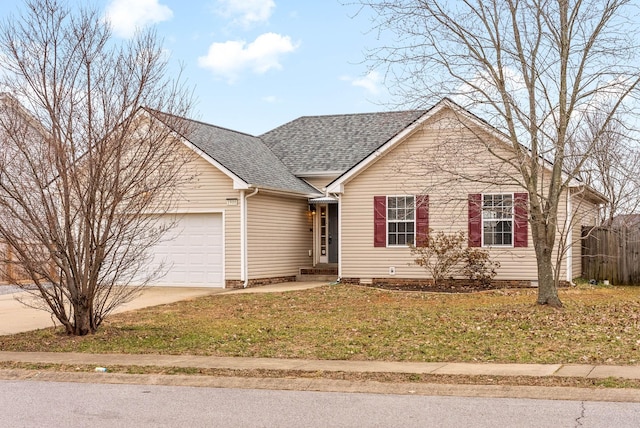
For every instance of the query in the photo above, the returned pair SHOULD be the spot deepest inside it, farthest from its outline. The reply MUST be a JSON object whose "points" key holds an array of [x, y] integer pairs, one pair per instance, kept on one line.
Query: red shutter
{"points": [[520, 219], [379, 221], [422, 220], [475, 220]]}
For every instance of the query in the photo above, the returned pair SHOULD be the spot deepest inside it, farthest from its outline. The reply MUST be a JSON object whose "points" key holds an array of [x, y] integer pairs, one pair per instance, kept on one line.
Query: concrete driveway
{"points": [[15, 317]]}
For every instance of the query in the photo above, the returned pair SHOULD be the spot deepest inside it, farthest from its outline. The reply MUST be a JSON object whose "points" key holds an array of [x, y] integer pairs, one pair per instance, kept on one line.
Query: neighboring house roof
{"points": [[313, 144], [244, 155], [627, 220]]}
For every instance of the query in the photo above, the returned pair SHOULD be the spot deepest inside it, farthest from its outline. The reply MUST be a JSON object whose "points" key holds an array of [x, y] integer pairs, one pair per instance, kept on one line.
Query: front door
{"points": [[333, 233], [327, 228]]}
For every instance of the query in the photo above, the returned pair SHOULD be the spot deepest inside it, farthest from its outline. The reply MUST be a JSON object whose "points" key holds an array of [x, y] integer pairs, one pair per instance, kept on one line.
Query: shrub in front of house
{"points": [[445, 256]]}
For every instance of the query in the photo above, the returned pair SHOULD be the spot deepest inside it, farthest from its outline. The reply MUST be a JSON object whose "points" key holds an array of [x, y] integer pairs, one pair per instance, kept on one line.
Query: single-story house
{"points": [[344, 194]]}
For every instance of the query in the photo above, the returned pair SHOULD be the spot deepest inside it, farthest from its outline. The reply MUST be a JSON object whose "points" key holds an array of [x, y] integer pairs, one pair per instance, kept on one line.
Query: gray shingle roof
{"points": [[334, 143], [310, 144], [628, 220], [244, 155]]}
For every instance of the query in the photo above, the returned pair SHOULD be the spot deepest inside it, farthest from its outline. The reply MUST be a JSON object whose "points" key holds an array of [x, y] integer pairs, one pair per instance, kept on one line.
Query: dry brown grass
{"points": [[597, 325], [544, 381]]}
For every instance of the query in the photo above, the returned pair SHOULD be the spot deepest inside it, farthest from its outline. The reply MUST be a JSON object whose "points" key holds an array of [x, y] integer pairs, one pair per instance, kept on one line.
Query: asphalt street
{"points": [[37, 404]]}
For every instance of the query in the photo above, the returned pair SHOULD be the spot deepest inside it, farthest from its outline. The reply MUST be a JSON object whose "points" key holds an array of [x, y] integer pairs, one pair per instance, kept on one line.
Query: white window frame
{"points": [[405, 221], [487, 220]]}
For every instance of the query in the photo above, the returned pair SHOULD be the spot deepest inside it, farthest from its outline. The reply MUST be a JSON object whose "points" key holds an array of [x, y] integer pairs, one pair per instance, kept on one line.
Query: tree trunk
{"points": [[82, 318], [547, 287]]}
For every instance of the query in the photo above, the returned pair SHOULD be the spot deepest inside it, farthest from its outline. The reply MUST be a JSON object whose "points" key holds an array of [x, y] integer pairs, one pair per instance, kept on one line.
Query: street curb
{"points": [[332, 385]]}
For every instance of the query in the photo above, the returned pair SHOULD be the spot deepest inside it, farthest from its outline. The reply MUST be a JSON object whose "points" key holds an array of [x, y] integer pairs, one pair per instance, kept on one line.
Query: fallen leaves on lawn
{"points": [[597, 325]]}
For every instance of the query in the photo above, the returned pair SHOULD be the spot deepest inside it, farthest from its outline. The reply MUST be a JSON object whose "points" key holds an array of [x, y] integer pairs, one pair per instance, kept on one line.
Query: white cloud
{"points": [[371, 82], [247, 12], [231, 58], [270, 99], [126, 16]]}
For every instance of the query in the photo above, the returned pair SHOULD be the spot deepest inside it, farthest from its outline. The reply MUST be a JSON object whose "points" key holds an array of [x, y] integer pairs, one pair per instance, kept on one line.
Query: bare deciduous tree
{"points": [[84, 170], [533, 69], [613, 164]]}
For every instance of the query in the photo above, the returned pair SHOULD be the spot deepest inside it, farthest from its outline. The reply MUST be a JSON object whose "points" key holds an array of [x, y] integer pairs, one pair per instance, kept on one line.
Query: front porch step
{"points": [[321, 272], [320, 269], [306, 277]]}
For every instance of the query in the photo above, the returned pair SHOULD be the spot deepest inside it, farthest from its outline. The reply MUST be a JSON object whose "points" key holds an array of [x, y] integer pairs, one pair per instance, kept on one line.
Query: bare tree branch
{"points": [[536, 69], [85, 172]]}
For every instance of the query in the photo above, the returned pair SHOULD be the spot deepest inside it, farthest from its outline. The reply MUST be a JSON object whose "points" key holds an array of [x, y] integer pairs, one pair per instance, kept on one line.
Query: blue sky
{"points": [[257, 64]]}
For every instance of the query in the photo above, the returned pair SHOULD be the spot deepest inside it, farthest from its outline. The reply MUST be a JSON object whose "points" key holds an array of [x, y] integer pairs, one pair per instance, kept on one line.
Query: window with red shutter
{"points": [[400, 220], [498, 219]]}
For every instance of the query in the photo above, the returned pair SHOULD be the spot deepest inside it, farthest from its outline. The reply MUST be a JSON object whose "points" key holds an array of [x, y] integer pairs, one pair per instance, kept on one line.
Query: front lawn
{"points": [[597, 325]]}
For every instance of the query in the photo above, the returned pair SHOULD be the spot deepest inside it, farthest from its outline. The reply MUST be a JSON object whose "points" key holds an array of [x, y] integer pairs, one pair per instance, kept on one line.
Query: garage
{"points": [[192, 252]]}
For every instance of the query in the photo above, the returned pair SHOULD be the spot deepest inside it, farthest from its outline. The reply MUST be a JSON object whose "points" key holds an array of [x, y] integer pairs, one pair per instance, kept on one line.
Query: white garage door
{"points": [[192, 252]]}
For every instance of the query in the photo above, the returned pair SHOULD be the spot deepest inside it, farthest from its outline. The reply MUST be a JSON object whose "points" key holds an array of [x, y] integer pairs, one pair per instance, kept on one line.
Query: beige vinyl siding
{"points": [[208, 192], [393, 175], [319, 182], [564, 227], [279, 235], [585, 214]]}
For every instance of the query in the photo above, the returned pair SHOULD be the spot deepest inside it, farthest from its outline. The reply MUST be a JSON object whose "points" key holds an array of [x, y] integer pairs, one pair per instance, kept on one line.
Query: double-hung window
{"points": [[497, 219], [400, 220], [401, 214]]}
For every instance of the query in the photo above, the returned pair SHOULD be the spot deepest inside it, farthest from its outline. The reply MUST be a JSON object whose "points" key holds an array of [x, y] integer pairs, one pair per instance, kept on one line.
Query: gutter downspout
{"points": [[570, 225], [339, 237], [244, 262]]}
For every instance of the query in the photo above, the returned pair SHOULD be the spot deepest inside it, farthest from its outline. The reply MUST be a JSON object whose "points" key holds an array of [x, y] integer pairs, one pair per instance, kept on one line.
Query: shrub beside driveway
{"points": [[597, 326]]}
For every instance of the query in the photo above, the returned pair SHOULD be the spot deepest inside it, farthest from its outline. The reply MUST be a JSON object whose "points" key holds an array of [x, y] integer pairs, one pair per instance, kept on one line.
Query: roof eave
{"points": [[277, 191], [592, 193], [317, 174]]}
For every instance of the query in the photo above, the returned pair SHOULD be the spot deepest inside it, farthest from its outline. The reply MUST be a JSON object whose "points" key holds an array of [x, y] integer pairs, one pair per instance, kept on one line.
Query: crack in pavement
{"points": [[582, 412]]}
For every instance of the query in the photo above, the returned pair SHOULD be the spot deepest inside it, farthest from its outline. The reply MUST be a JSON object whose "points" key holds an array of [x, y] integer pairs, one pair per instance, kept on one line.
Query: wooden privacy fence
{"points": [[611, 253], [11, 270]]}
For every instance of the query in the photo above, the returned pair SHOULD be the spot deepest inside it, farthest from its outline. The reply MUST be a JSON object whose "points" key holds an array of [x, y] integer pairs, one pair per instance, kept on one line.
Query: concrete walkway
{"points": [[242, 363], [629, 395]]}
